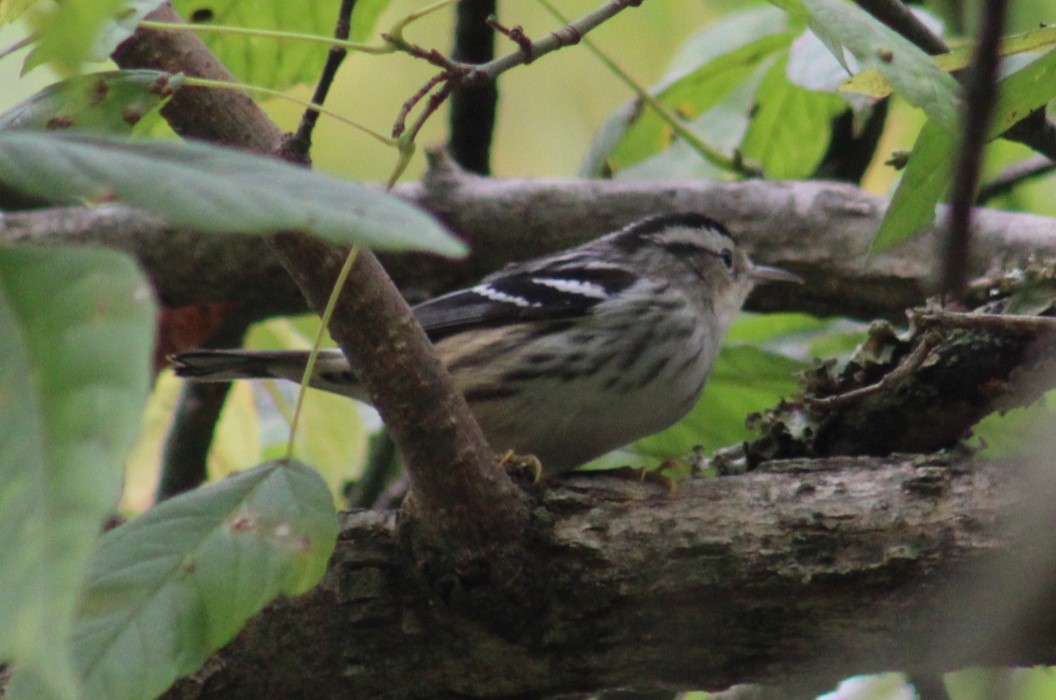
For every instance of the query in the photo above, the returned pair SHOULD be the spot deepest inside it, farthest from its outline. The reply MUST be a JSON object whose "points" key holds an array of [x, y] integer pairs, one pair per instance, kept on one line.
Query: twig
{"points": [[301, 142], [898, 17], [1031, 325], [515, 34], [401, 119], [472, 116], [1013, 176], [980, 96], [457, 73], [435, 100], [890, 381]]}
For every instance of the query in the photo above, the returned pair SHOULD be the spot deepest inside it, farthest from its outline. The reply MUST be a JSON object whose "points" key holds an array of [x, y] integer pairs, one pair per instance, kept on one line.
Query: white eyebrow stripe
{"points": [[568, 286], [489, 292]]}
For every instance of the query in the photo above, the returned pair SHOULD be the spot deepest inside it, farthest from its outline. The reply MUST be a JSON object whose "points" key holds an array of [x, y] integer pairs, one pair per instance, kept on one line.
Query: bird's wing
{"points": [[523, 294]]}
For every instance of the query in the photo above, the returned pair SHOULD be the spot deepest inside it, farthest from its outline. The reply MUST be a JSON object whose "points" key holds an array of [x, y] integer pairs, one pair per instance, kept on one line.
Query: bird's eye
{"points": [[727, 258]]}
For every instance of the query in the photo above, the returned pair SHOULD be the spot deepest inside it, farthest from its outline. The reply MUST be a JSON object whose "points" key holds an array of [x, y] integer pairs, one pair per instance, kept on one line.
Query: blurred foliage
{"points": [[74, 375], [747, 78]]}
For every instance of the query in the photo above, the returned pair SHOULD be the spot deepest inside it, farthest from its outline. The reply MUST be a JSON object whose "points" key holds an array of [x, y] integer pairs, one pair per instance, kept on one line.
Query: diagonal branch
{"points": [[462, 495]]}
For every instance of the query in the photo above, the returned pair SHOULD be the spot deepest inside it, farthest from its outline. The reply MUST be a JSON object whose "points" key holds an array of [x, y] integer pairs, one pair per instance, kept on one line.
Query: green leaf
{"points": [[797, 336], [730, 33], [1018, 432], [1024, 91], [723, 126], [927, 175], [276, 63], [215, 189], [113, 101], [914, 74], [743, 380], [790, 130], [171, 587], [873, 84], [365, 18], [76, 340], [67, 31], [924, 181], [635, 134], [78, 31]]}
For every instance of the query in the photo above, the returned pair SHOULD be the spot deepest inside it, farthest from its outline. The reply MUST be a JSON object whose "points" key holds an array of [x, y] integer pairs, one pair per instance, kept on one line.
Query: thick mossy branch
{"points": [[796, 575], [919, 394]]}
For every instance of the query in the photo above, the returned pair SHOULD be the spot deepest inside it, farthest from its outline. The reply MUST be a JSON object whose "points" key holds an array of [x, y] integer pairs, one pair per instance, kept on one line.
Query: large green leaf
{"points": [[1023, 92], [78, 31], [76, 337], [924, 182], [791, 127], [872, 83], [276, 63], [215, 189], [114, 102], [171, 587], [798, 336], [728, 34], [914, 74], [67, 31], [723, 126], [928, 172], [712, 66]]}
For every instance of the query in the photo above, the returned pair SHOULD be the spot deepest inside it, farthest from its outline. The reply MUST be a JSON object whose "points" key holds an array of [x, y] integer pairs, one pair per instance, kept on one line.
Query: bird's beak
{"points": [[763, 274]]}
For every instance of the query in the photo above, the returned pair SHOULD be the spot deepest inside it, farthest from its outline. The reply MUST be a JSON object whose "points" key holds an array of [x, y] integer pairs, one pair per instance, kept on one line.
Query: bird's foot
{"points": [[522, 466]]}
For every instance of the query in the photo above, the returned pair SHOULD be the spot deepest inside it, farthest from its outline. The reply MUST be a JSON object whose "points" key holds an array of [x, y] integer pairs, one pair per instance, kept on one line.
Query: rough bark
{"points": [[820, 230], [798, 576]]}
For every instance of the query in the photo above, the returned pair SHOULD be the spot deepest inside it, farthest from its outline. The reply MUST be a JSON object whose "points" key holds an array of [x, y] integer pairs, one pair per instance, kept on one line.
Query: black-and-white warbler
{"points": [[572, 355]]}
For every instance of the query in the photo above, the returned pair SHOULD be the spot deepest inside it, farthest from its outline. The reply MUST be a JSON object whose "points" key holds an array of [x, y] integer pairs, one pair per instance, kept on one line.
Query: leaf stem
{"points": [[268, 33], [227, 85], [309, 368]]}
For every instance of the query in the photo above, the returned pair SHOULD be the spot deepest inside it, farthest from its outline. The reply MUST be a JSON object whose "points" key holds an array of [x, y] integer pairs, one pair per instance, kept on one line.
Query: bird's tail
{"points": [[332, 372]]}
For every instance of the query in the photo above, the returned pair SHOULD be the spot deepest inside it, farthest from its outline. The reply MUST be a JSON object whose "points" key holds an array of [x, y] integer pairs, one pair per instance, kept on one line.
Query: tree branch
{"points": [[895, 15], [980, 96], [1013, 176], [300, 144], [820, 230], [796, 578], [221, 116]]}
